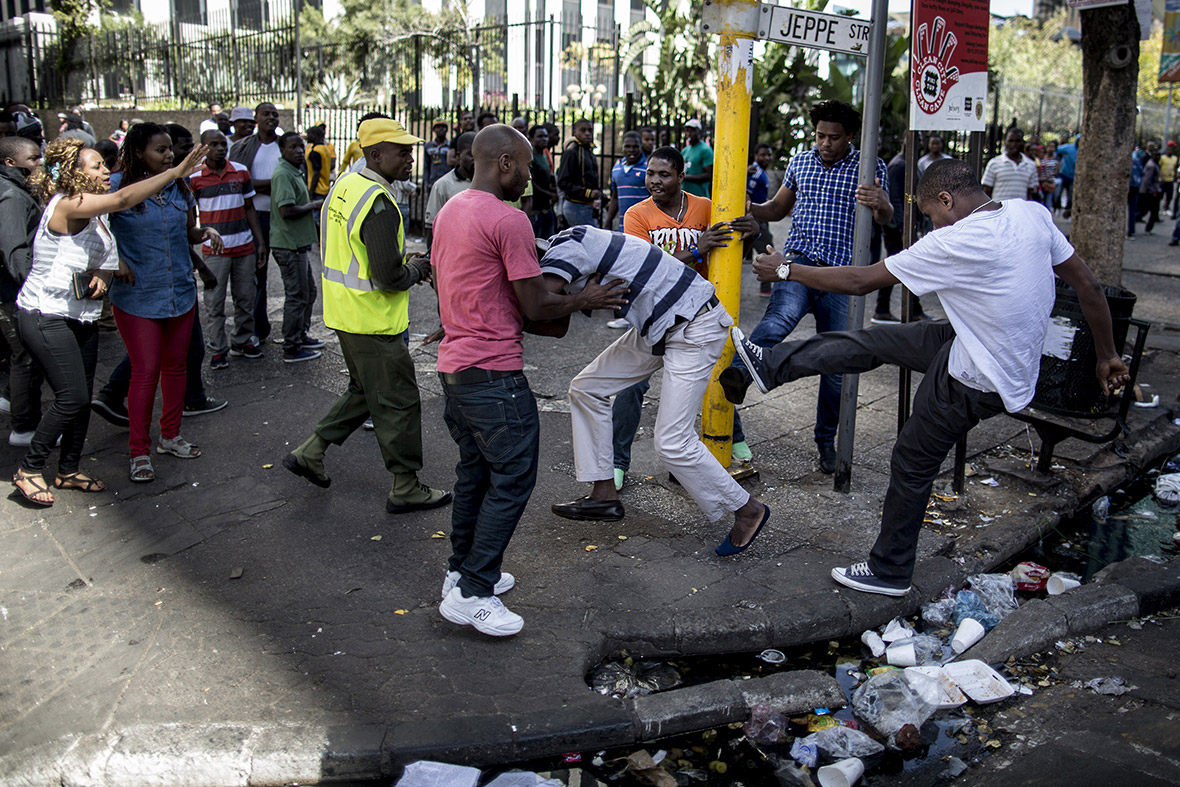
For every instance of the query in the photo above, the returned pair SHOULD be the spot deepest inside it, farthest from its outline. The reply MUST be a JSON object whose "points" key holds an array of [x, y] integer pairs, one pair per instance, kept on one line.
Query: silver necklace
{"points": [[984, 205]]}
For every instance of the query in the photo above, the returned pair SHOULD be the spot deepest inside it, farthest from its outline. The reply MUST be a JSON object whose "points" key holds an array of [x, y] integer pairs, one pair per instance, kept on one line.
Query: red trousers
{"points": [[158, 349]]}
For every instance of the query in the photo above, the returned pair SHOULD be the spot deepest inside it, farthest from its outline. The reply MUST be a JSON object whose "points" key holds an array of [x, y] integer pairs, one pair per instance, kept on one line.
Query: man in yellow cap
{"points": [[367, 275]]}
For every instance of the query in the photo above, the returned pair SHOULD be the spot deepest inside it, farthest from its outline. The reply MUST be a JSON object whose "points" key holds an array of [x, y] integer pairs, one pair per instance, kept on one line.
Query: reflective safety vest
{"points": [[352, 303]]}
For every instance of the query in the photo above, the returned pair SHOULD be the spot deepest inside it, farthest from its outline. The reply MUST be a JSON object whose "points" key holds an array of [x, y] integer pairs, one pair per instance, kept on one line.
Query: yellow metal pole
{"points": [[731, 149]]}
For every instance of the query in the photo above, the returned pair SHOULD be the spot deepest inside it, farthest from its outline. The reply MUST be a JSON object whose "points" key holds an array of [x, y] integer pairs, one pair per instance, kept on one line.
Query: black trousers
{"points": [[67, 351], [943, 411], [24, 375]]}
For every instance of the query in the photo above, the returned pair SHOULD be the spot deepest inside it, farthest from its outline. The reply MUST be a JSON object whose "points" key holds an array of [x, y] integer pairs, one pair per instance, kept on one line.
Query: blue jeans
{"points": [[625, 414], [544, 223], [496, 427], [789, 301], [576, 214]]}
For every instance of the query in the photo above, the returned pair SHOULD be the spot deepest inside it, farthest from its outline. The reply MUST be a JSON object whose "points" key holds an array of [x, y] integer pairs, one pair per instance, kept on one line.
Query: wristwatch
{"points": [[783, 271]]}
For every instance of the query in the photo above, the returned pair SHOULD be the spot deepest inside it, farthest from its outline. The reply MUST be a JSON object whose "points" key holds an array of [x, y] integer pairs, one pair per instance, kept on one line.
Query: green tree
{"points": [[682, 80], [73, 27]]}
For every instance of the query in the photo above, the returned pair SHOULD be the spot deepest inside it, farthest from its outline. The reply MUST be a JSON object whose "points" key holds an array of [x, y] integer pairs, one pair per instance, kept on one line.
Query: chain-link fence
{"points": [[1046, 111]]}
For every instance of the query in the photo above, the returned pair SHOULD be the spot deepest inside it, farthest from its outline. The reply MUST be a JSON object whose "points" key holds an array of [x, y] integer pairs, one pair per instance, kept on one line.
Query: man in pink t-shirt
{"points": [[489, 284]]}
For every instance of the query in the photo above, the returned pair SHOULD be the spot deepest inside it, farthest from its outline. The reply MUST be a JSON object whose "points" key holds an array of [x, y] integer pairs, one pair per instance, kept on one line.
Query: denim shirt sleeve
{"points": [[153, 240]]}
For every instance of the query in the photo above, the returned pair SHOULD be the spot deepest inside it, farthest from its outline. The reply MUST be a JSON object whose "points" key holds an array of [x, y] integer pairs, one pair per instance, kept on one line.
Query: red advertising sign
{"points": [[948, 65]]}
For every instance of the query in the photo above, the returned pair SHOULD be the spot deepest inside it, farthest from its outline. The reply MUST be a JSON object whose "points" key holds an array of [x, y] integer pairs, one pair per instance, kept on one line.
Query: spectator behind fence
{"points": [[242, 120], [74, 129], [698, 161], [450, 184], [225, 200], [20, 214], [435, 151], [119, 133], [260, 154], [210, 123], [577, 177], [154, 295], [320, 160], [292, 232], [627, 178], [544, 184]]}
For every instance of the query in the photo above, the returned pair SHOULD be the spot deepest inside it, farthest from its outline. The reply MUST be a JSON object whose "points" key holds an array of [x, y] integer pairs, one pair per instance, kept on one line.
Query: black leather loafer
{"points": [[587, 508], [827, 457]]}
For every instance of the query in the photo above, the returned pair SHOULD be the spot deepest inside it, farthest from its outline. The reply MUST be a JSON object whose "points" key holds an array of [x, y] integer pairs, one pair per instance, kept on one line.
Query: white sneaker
{"points": [[618, 323], [503, 585], [487, 614], [5, 405], [20, 439]]}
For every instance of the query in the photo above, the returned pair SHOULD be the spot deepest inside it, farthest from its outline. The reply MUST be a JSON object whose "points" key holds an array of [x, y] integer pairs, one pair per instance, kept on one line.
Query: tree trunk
{"points": [[1110, 74]]}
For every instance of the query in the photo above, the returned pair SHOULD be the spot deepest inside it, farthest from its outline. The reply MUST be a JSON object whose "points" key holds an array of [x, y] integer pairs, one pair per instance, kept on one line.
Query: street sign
{"points": [[814, 30]]}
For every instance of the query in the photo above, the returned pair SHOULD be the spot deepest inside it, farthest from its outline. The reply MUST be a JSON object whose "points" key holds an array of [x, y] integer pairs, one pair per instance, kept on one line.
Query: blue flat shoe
{"points": [[726, 547]]}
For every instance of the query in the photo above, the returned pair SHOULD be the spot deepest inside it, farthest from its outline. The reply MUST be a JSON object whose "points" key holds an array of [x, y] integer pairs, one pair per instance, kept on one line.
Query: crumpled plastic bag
{"points": [[890, 700], [1030, 576], [968, 604], [997, 591], [765, 725], [1167, 490], [839, 743], [897, 629], [804, 752], [938, 613], [1113, 686], [622, 681], [522, 779]]}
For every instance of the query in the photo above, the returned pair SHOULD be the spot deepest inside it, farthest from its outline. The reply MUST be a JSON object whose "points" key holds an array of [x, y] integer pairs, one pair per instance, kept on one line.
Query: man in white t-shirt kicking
{"points": [[992, 266]]}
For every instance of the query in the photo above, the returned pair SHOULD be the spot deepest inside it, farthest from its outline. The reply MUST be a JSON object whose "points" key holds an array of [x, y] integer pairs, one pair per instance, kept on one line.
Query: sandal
{"points": [[77, 480], [141, 469], [179, 447], [39, 487]]}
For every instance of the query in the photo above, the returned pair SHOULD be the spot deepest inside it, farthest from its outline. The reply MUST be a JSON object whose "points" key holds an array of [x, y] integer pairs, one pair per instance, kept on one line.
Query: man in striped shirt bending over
{"points": [[224, 195], [676, 324]]}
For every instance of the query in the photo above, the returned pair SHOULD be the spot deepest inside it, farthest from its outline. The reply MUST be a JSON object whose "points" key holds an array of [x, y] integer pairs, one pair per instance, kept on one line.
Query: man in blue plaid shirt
{"points": [[820, 192]]}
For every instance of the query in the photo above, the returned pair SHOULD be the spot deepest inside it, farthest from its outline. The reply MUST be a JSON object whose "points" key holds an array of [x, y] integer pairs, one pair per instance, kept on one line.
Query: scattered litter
{"points": [[766, 725], [647, 769], [1154, 401], [843, 773], [621, 680], [1167, 490], [938, 613], [1112, 686], [400, 611], [267, 466], [1100, 510], [990, 481], [841, 742], [892, 700], [791, 774], [951, 695], [438, 534], [622, 538], [979, 682], [873, 642], [522, 779], [806, 754], [591, 547], [967, 634], [1062, 581], [235, 572], [772, 656], [968, 604], [918, 649], [997, 592], [1030, 576], [425, 773], [955, 767], [374, 538], [897, 629]]}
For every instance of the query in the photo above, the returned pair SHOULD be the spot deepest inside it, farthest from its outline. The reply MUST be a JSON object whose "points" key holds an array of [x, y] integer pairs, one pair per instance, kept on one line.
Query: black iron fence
{"points": [[255, 51]]}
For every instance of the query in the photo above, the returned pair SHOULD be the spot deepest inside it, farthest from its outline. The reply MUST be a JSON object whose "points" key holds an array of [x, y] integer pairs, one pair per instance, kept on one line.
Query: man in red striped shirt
{"points": [[224, 195]]}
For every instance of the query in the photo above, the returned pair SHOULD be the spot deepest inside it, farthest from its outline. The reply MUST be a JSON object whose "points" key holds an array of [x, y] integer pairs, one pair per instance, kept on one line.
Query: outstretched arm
{"points": [[1111, 371], [843, 279]]}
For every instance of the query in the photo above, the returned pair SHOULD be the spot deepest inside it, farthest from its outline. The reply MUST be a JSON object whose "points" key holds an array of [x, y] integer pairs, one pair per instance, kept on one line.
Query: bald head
{"points": [[502, 157], [495, 141]]}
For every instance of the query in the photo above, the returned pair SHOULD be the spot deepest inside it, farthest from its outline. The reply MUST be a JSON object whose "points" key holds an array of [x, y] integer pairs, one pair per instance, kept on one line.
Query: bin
{"points": [[1067, 385]]}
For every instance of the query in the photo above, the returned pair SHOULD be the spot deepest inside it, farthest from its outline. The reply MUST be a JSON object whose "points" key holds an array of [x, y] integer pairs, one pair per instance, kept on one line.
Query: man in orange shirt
{"points": [[678, 223]]}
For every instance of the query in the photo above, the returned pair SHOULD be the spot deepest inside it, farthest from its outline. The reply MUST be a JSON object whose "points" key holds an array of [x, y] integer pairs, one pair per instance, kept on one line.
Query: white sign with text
{"points": [[815, 30]]}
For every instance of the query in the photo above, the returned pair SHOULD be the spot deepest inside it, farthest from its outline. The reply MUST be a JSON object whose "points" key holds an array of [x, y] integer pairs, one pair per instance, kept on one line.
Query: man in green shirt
{"points": [[292, 231], [698, 162]]}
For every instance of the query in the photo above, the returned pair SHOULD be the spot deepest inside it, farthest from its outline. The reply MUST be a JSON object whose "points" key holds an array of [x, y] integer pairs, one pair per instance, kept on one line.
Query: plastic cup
{"points": [[969, 632], [1060, 583], [901, 655], [844, 773]]}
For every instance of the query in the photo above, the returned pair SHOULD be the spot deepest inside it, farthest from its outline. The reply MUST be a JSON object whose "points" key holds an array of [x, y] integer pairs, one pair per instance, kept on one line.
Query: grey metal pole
{"points": [[870, 129]]}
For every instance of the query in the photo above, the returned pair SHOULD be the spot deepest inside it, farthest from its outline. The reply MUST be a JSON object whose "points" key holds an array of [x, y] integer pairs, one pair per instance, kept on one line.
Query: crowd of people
{"points": [[515, 245]]}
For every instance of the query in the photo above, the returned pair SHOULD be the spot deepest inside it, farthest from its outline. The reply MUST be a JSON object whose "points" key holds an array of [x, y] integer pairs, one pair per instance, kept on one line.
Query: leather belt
{"points": [[809, 261], [474, 374]]}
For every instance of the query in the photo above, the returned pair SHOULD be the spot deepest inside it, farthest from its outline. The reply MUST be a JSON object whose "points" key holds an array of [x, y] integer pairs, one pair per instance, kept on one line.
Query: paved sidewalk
{"points": [[132, 656]]}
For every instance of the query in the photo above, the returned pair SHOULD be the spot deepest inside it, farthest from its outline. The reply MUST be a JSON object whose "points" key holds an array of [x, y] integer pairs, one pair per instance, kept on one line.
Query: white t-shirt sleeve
{"points": [[1033, 182], [923, 267], [1060, 249], [989, 174]]}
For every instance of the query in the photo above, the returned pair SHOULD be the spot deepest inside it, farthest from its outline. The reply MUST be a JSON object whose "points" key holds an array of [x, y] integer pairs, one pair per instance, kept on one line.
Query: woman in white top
{"points": [[59, 328]]}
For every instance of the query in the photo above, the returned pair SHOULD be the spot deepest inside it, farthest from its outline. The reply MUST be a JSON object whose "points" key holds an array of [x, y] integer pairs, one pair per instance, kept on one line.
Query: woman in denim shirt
{"points": [[154, 295]]}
